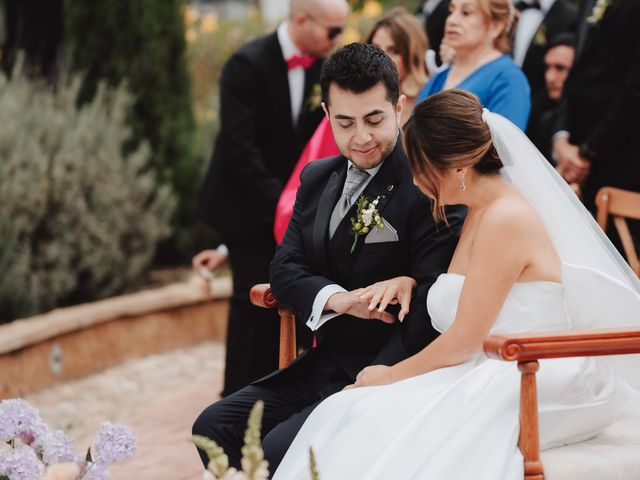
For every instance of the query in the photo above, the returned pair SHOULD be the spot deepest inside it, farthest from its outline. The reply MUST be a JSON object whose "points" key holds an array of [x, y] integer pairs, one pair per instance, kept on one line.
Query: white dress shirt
{"points": [[296, 75], [317, 318], [530, 20]]}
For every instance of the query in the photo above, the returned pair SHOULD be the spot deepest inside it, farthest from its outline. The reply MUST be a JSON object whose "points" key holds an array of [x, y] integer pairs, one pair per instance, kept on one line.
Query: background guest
{"points": [[480, 31], [434, 14], [265, 123], [599, 136], [540, 21], [401, 36], [544, 111]]}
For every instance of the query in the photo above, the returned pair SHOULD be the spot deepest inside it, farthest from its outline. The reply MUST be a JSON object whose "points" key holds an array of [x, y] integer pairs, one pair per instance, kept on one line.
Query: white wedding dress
{"points": [[459, 422]]}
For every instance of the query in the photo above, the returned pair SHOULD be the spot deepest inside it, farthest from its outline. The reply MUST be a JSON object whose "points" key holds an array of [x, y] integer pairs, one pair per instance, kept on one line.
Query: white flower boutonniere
{"points": [[315, 98], [598, 11], [367, 217]]}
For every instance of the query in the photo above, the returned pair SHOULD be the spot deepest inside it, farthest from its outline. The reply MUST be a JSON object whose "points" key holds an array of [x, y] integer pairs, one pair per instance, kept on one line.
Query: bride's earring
{"points": [[463, 187]]}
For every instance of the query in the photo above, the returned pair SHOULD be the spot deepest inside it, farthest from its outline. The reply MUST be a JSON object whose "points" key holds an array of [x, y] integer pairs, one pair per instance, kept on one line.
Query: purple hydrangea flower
{"points": [[96, 472], [20, 463], [58, 447], [19, 419], [114, 443]]}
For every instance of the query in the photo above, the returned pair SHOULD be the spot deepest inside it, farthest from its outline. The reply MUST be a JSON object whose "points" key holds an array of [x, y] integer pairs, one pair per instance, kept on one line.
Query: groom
{"points": [[321, 263]]}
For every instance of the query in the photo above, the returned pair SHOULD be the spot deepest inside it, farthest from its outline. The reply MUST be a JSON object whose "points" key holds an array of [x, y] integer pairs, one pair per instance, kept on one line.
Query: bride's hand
{"points": [[373, 375], [390, 292]]}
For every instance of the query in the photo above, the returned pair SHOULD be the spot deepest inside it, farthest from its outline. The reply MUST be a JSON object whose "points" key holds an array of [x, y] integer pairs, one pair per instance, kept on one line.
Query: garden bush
{"points": [[143, 43], [80, 219]]}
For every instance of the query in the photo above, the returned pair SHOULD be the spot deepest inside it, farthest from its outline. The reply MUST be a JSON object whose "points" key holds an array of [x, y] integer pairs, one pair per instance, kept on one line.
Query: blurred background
{"points": [[109, 111]]}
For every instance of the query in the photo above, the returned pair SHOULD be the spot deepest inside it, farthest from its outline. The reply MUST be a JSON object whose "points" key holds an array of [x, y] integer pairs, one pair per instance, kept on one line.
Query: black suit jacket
{"points": [[562, 17], [308, 260], [258, 145], [434, 26], [602, 98]]}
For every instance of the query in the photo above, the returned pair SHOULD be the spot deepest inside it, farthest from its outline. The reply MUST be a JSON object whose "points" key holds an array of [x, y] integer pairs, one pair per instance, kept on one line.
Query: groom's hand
{"points": [[350, 303]]}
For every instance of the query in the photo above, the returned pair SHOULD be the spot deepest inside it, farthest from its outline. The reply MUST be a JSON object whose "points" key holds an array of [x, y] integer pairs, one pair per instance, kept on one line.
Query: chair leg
{"points": [[529, 441], [287, 337]]}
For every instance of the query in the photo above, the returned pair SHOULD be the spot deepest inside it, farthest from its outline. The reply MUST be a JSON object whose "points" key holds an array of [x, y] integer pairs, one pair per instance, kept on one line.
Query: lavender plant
{"points": [[254, 466], [80, 217]]}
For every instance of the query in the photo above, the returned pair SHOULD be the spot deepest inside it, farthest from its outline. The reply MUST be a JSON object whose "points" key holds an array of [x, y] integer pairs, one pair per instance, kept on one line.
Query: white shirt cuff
{"points": [[317, 319], [559, 134]]}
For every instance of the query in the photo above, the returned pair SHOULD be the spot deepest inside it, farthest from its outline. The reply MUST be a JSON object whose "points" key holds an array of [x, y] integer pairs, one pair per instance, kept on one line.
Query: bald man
{"points": [[268, 112]]}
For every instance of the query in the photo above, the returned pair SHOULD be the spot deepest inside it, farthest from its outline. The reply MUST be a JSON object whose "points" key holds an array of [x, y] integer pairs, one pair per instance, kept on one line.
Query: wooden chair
{"points": [[261, 296], [526, 349], [620, 204]]}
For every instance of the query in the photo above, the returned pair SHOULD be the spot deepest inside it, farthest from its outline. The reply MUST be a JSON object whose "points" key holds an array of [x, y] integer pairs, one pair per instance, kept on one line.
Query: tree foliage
{"points": [[143, 43]]}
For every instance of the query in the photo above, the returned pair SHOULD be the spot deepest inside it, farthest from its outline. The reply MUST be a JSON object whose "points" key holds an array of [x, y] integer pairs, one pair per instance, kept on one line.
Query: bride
{"points": [[530, 258]]}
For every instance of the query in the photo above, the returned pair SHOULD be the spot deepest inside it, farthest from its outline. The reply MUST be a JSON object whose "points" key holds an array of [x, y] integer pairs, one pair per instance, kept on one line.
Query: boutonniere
{"points": [[540, 37], [598, 11], [315, 98], [367, 217]]}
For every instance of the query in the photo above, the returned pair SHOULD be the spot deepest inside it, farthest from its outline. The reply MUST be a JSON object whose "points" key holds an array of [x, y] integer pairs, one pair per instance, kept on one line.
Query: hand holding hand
{"points": [[351, 304], [572, 167], [372, 375], [390, 292]]}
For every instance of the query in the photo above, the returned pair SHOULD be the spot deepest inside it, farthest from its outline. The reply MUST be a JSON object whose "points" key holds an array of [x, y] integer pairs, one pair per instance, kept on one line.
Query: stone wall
{"points": [[72, 342]]}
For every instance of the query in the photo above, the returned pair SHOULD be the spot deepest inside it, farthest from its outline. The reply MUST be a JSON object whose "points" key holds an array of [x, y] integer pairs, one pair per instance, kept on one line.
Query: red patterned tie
{"points": [[304, 61]]}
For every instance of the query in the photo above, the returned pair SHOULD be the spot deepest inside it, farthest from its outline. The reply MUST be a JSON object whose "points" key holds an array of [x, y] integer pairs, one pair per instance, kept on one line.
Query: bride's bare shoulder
{"points": [[510, 215]]}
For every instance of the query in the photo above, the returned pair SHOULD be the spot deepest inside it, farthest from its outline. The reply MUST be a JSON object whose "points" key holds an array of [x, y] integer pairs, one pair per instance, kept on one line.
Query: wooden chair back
{"points": [[620, 204]]}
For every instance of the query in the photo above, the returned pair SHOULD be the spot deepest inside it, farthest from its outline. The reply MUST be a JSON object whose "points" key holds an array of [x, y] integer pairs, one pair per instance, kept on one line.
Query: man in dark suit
{"points": [[268, 112], [434, 14], [321, 264], [544, 111], [539, 22], [599, 131]]}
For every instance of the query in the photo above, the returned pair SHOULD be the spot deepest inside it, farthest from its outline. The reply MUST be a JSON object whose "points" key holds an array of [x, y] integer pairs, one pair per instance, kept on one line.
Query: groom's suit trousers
{"points": [[288, 402]]}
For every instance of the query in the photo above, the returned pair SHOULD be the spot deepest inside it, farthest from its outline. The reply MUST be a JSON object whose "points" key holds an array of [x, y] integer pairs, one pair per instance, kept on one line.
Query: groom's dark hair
{"points": [[358, 67]]}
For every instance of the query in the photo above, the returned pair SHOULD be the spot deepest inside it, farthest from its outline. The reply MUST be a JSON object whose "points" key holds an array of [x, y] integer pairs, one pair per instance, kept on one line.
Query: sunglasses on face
{"points": [[332, 32]]}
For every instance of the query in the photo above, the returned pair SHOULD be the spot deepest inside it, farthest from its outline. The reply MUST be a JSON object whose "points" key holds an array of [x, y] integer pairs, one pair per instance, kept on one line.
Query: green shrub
{"points": [[79, 219], [143, 43]]}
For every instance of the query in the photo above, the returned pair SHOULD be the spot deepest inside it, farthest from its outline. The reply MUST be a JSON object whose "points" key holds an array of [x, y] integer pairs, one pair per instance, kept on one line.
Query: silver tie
{"points": [[355, 179]]}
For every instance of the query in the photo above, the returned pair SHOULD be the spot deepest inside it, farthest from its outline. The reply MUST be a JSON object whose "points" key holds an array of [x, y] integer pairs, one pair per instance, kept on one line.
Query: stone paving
{"points": [[159, 396]]}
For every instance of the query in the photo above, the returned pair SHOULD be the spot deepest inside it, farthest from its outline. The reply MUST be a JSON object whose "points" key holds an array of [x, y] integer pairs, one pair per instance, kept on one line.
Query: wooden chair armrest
{"points": [[261, 296], [528, 348], [523, 347]]}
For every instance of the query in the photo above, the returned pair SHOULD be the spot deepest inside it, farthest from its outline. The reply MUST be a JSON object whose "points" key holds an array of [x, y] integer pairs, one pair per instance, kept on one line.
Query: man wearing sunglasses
{"points": [[266, 118]]}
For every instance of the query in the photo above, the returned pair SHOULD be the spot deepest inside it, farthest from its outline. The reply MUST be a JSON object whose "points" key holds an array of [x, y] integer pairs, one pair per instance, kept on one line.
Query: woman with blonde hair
{"points": [[401, 36], [481, 33]]}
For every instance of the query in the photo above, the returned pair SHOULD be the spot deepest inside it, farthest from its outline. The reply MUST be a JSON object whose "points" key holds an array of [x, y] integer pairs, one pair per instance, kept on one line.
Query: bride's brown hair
{"points": [[447, 131]]}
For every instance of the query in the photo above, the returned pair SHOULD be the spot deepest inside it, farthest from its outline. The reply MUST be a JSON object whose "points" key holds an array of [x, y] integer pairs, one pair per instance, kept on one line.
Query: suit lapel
{"points": [[589, 34], [310, 111], [382, 186], [326, 205], [276, 68]]}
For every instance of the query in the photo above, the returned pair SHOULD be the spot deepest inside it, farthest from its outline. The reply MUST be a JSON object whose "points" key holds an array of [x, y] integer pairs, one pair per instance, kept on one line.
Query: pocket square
{"points": [[386, 234]]}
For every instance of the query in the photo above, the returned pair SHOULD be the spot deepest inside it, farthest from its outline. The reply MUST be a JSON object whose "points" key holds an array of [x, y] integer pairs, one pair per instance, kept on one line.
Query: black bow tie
{"points": [[521, 5]]}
